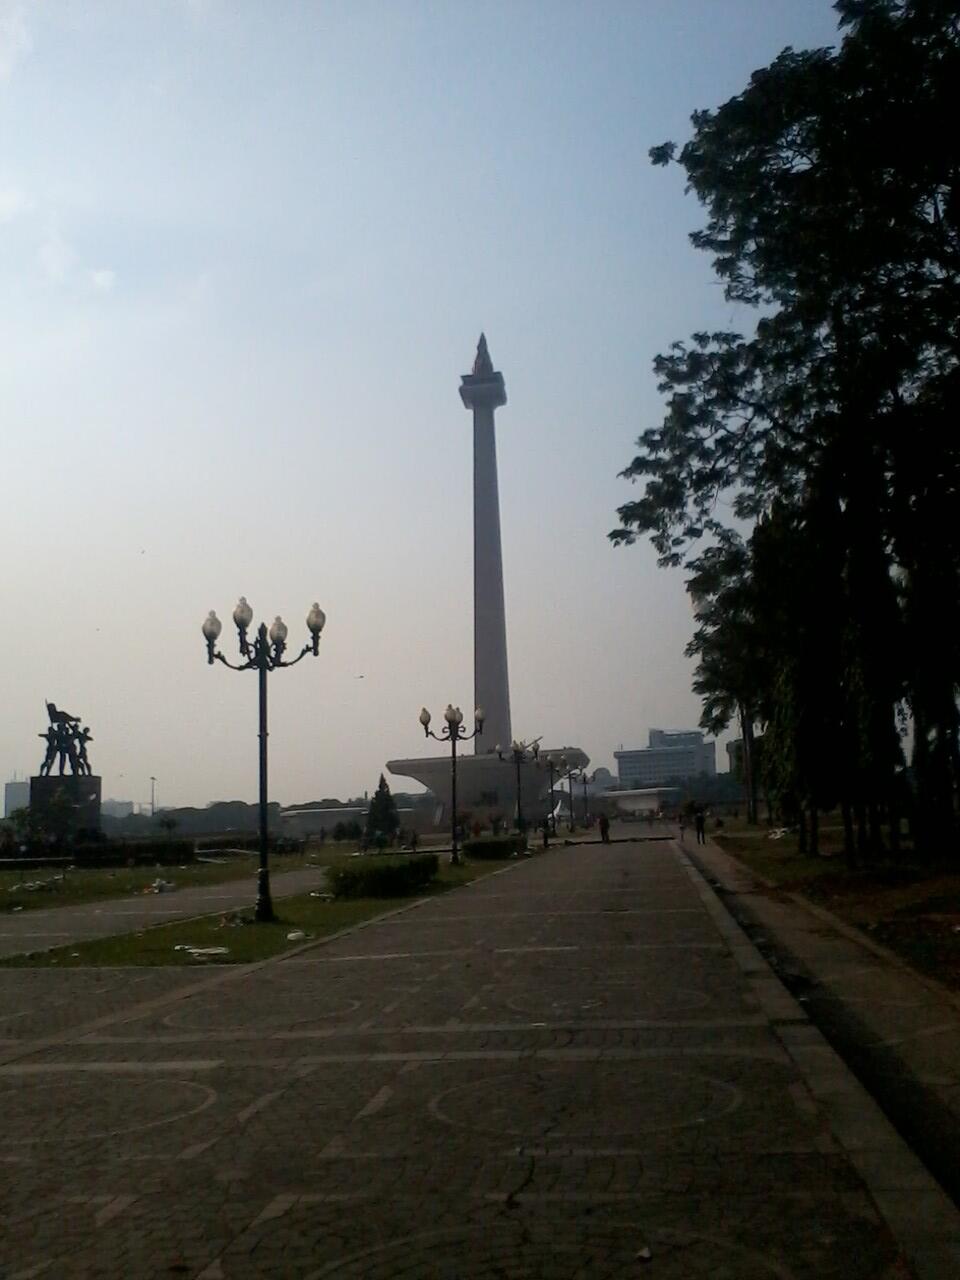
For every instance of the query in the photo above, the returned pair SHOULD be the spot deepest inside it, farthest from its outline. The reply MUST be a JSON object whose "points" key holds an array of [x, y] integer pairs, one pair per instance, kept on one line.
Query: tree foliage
{"points": [[382, 817], [832, 193]]}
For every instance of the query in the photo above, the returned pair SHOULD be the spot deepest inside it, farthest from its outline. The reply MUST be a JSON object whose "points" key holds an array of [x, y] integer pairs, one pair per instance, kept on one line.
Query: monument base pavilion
{"points": [[487, 785]]}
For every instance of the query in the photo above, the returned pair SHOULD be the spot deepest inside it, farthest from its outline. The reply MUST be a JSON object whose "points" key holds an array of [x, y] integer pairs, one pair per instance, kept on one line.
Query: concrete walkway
{"points": [[40, 930], [54, 926], [578, 1067], [899, 1030]]}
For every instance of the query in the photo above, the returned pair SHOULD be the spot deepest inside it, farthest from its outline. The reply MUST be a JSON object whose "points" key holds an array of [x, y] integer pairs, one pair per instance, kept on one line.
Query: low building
{"points": [[117, 808], [670, 755], [646, 800], [16, 795], [313, 822]]}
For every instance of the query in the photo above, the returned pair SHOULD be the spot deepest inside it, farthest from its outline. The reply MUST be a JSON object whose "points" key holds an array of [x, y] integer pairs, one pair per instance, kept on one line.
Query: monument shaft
{"points": [[483, 392], [491, 683]]}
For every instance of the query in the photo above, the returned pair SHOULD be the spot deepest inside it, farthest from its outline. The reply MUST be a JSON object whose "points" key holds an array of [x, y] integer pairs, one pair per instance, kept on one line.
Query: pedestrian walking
{"points": [[604, 829], [700, 822]]}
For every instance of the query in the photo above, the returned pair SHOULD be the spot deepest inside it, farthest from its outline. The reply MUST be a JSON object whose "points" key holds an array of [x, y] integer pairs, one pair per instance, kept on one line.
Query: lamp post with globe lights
{"points": [[519, 753], [263, 655], [453, 733]]}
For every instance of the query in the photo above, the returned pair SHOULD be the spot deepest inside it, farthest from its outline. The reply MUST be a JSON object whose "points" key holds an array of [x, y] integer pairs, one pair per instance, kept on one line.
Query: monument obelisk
{"points": [[483, 392], [486, 788]]}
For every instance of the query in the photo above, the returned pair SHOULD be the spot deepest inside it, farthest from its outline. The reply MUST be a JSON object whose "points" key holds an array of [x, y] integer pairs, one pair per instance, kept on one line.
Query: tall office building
{"points": [[16, 795], [670, 754]]}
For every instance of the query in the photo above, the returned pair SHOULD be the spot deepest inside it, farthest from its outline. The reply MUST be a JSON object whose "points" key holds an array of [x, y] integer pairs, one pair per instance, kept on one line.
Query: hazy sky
{"points": [[246, 250]]}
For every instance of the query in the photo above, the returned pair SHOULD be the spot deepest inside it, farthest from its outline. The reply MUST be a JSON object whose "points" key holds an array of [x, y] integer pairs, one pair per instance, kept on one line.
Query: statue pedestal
{"points": [[68, 803]]}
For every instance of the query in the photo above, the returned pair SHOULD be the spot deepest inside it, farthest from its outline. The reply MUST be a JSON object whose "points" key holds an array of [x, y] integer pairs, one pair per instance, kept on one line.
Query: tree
{"points": [[54, 822], [382, 817], [833, 204], [728, 676]]}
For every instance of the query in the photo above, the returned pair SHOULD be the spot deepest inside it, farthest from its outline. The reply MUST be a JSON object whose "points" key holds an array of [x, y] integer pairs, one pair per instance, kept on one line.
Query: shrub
{"points": [[494, 847], [382, 877], [347, 831]]}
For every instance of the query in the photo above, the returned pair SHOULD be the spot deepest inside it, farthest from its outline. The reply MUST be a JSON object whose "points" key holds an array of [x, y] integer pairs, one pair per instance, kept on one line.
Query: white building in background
{"points": [[16, 795], [670, 754], [117, 808]]}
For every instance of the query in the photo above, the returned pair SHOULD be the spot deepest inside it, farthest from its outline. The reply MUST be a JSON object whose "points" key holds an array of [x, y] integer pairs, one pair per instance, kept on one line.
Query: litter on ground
{"points": [[160, 886]]}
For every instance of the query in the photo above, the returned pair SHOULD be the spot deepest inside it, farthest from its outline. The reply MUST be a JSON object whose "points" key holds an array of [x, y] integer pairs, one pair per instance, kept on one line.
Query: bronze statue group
{"points": [[66, 743]]}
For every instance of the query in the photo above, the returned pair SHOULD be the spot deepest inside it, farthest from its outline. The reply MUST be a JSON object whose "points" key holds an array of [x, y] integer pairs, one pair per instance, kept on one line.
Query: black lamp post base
{"points": [[263, 912]]}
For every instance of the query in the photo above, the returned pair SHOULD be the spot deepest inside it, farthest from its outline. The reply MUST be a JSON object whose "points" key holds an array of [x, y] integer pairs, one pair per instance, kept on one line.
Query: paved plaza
{"points": [[578, 1067]]}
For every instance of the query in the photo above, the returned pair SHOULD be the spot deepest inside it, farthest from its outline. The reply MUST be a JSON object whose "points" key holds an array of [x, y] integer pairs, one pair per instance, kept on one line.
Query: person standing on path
{"points": [[604, 829], [700, 822]]}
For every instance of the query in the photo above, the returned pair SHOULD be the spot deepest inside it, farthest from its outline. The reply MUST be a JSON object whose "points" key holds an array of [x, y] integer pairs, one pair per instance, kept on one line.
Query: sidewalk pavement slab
{"points": [[898, 1029], [576, 1067]]}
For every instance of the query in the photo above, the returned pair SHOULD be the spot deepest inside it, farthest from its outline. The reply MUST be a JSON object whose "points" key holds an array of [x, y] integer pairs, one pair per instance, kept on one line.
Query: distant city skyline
{"points": [[244, 254]]}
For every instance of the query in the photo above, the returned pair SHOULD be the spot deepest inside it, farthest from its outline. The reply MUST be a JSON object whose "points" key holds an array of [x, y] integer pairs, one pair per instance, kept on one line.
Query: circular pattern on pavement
{"points": [[54, 1109], [635, 998], [558, 1250], [302, 1009], [569, 1103]]}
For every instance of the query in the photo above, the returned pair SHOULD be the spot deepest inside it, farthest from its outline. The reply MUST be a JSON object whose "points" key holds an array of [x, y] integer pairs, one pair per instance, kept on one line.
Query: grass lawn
{"points": [[912, 908], [62, 888], [780, 860], [245, 942]]}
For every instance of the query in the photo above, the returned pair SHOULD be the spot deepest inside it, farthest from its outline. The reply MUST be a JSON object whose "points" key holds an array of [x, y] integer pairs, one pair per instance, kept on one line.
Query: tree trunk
{"points": [[849, 848], [893, 819], [814, 831], [860, 812], [876, 833], [749, 773]]}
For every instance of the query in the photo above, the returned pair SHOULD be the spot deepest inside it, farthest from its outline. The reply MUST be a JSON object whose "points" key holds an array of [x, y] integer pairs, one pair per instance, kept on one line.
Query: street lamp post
{"points": [[572, 776], [520, 752], [263, 655], [453, 733], [555, 766], [584, 780]]}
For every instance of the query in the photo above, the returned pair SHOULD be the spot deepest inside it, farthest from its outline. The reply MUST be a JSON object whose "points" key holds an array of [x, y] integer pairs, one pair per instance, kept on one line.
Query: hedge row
{"points": [[382, 877], [116, 853], [494, 846]]}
